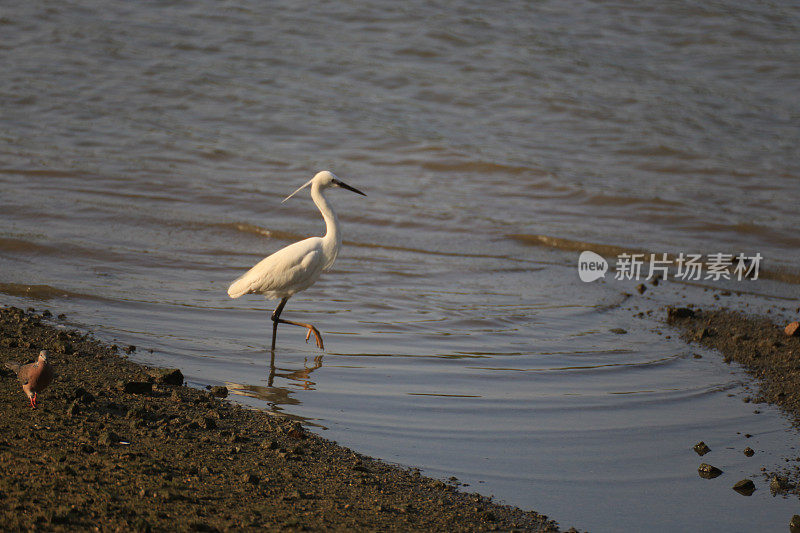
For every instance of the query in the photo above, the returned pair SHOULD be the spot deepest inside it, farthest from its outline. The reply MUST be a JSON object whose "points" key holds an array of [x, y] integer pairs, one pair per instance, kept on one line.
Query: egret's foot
{"points": [[33, 401], [317, 336]]}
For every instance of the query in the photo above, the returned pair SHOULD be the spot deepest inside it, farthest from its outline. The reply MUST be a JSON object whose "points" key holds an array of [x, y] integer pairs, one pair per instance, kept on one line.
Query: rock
{"points": [[701, 448], [708, 472], [219, 391], [749, 452], [167, 376], [745, 487], [137, 387], [641, 288], [794, 524], [676, 313], [793, 329], [618, 331], [130, 349]]}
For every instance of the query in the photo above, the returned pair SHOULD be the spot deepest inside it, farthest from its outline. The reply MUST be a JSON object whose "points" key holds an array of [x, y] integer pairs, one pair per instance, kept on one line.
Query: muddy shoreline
{"points": [[766, 352], [116, 445]]}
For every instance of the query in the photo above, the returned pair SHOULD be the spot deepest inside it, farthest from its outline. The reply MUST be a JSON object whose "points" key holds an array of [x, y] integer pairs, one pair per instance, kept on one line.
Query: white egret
{"points": [[296, 267]]}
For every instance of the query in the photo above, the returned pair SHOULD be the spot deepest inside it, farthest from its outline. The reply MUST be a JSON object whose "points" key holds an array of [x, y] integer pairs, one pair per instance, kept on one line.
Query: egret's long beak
{"points": [[298, 190], [343, 185]]}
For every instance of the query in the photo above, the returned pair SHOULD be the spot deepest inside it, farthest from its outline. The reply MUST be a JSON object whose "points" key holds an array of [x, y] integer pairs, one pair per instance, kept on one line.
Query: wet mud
{"points": [[768, 352]]}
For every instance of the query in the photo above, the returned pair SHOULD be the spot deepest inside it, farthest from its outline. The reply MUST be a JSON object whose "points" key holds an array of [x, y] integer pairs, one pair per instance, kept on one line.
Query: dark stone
{"points": [[138, 387], [745, 487], [701, 448], [618, 331], [749, 452], [219, 391], [708, 472], [167, 376], [641, 288], [794, 524]]}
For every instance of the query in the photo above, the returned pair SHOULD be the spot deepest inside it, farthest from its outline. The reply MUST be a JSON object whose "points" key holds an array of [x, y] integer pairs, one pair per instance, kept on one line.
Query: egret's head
{"points": [[324, 180], [43, 355]]}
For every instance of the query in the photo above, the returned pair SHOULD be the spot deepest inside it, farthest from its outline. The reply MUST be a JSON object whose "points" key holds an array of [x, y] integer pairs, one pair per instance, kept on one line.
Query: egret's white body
{"points": [[299, 265], [284, 273]]}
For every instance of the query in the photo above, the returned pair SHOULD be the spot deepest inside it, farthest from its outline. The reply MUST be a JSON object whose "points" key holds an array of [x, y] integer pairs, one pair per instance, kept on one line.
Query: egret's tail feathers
{"points": [[13, 366], [238, 288]]}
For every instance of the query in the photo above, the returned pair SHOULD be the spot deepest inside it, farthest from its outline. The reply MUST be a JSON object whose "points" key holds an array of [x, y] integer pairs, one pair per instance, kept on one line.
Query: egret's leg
{"points": [[276, 319], [271, 377], [276, 314]]}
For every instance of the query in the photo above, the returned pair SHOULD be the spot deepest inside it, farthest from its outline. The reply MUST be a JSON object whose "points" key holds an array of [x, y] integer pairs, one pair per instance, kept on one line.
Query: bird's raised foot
{"points": [[317, 336]]}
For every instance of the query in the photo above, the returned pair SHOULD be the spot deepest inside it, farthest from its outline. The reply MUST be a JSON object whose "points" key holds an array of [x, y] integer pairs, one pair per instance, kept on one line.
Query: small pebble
{"points": [[745, 487], [794, 524], [708, 472], [219, 391], [701, 448]]}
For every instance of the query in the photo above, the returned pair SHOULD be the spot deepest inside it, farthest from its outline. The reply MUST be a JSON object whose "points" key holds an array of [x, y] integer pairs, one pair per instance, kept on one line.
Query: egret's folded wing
{"points": [[283, 273]]}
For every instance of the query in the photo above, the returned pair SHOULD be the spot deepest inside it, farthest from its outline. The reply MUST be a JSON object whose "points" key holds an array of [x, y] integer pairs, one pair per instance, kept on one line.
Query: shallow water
{"points": [[146, 148]]}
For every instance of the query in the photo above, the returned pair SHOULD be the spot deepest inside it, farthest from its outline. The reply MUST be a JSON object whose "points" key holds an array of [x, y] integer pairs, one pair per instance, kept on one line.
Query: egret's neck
{"points": [[333, 237]]}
